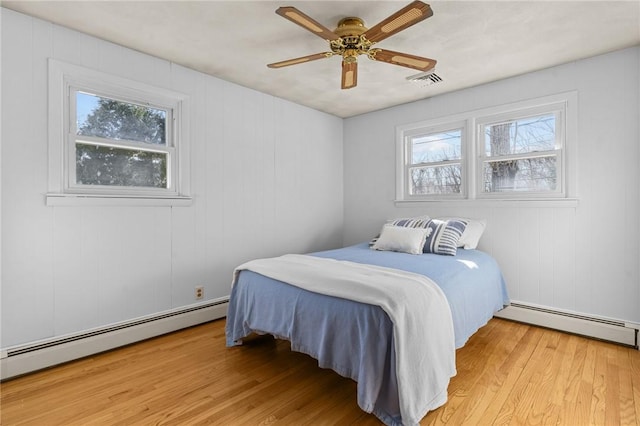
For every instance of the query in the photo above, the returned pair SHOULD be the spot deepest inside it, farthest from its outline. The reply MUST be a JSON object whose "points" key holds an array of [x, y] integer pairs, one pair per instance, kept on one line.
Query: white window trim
{"points": [[568, 191], [169, 106], [62, 78], [514, 112], [403, 135]]}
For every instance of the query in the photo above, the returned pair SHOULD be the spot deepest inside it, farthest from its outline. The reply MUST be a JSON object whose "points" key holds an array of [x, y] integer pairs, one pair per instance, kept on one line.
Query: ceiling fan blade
{"points": [[349, 75], [404, 18], [300, 60], [403, 59], [306, 22]]}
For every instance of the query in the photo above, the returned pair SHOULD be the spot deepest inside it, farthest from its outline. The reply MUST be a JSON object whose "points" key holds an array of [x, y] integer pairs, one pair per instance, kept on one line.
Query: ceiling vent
{"points": [[425, 78]]}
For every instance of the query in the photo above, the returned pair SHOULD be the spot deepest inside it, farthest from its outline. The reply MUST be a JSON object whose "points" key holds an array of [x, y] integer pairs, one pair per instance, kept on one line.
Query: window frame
{"points": [[65, 80], [473, 146], [558, 109], [405, 163]]}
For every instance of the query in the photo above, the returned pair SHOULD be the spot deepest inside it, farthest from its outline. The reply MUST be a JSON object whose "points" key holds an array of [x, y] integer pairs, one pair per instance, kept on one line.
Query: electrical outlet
{"points": [[199, 292]]}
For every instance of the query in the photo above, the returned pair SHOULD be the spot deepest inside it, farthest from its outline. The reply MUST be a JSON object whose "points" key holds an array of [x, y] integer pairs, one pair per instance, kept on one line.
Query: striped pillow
{"points": [[444, 236], [412, 222]]}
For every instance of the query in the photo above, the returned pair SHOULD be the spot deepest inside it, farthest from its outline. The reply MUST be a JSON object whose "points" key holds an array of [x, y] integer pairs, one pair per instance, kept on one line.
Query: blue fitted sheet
{"points": [[355, 339]]}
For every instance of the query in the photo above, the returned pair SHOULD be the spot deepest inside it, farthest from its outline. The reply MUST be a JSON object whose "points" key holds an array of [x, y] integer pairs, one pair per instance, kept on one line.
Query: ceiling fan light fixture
{"points": [[351, 55]]}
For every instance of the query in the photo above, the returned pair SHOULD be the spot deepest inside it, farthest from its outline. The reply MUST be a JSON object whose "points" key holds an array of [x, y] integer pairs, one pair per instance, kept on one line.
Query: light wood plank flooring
{"points": [[508, 373]]}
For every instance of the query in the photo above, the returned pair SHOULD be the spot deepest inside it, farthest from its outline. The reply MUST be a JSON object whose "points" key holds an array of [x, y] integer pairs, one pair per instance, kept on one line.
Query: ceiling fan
{"points": [[351, 39]]}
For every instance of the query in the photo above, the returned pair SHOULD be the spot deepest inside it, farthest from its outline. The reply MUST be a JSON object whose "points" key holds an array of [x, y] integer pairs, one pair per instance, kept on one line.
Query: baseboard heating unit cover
{"points": [[591, 326], [22, 359]]}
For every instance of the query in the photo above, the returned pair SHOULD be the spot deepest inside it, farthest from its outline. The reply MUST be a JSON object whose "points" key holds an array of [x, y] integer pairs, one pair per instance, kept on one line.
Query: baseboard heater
{"points": [[599, 328], [22, 359]]}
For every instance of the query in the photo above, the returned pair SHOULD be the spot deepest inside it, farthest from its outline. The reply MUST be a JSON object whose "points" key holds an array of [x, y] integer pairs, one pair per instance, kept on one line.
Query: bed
{"points": [[402, 371]]}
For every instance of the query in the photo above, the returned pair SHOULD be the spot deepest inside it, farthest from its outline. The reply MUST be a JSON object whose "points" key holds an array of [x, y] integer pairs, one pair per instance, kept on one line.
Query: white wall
{"points": [[583, 258], [266, 179]]}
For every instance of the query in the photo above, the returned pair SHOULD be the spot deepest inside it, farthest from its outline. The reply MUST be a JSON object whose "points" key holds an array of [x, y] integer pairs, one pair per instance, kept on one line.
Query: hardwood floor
{"points": [[508, 373]]}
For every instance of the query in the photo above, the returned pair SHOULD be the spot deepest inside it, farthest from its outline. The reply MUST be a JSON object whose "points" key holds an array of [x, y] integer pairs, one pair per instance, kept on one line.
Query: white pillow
{"points": [[472, 233], [402, 239], [409, 222]]}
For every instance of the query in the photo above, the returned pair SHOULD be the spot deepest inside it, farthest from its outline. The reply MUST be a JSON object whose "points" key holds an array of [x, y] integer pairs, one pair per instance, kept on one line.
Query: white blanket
{"points": [[423, 328]]}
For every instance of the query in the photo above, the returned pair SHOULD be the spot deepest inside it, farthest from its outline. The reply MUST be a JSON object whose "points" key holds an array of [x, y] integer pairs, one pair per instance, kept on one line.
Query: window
{"points": [[114, 138], [521, 152], [433, 161], [516, 151], [115, 143]]}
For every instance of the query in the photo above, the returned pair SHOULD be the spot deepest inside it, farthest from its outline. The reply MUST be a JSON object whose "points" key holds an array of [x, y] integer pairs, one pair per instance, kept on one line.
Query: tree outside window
{"points": [[521, 155], [120, 143]]}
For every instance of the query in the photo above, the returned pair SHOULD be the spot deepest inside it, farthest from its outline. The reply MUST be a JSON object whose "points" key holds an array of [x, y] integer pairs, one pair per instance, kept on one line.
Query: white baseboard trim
{"points": [[585, 325], [24, 359]]}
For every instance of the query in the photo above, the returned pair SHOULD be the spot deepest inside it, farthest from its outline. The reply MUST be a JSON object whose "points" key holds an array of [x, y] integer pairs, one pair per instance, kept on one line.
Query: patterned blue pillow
{"points": [[412, 222], [444, 236]]}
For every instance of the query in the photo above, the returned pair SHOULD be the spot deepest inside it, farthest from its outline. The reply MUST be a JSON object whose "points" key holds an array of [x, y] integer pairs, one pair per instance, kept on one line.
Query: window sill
{"points": [[112, 200], [494, 202]]}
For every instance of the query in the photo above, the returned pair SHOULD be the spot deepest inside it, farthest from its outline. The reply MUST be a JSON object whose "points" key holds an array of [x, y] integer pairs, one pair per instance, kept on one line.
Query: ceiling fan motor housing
{"points": [[352, 42], [350, 26]]}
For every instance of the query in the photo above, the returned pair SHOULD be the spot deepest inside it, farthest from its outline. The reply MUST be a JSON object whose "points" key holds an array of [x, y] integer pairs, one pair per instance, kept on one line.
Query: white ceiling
{"points": [[474, 42]]}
